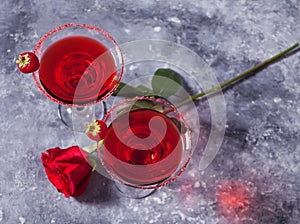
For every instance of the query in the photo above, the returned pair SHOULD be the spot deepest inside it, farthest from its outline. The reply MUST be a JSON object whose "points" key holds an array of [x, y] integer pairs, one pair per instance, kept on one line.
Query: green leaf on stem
{"points": [[144, 89], [166, 82], [126, 90]]}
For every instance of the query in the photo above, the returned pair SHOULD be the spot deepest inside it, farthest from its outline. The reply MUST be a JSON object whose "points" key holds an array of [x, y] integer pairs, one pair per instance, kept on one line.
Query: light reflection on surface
{"points": [[234, 200]]}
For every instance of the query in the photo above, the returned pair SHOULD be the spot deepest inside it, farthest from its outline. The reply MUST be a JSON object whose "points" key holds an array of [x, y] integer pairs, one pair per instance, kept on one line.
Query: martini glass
{"points": [[80, 66], [147, 145]]}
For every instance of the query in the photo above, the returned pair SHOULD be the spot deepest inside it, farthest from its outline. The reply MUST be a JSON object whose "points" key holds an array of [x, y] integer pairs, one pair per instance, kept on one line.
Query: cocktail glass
{"points": [[80, 66], [147, 145]]}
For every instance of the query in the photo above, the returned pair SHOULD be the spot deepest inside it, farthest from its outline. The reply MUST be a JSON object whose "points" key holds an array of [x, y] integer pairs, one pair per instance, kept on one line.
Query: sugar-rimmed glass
{"points": [[144, 148], [81, 65]]}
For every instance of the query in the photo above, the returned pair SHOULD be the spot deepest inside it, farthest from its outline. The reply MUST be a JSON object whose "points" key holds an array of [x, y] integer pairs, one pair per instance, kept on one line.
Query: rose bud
{"points": [[96, 130], [28, 62]]}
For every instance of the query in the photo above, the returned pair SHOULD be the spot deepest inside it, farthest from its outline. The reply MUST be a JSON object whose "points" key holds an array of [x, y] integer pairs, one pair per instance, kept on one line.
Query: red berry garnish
{"points": [[28, 62], [96, 130]]}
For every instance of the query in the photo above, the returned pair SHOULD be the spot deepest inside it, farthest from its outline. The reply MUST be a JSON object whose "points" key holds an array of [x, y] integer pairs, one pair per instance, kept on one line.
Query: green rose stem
{"points": [[236, 78], [91, 149]]}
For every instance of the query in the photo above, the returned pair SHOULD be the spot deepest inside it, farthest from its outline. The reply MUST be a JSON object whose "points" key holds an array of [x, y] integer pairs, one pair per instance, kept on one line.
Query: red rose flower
{"points": [[67, 169]]}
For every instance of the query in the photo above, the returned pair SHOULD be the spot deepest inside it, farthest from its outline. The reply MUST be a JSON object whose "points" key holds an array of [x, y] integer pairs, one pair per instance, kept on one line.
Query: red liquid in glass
{"points": [[145, 160], [77, 70]]}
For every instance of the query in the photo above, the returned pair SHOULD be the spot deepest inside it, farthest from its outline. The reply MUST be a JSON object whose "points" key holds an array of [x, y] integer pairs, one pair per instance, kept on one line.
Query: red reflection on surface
{"points": [[233, 200]]}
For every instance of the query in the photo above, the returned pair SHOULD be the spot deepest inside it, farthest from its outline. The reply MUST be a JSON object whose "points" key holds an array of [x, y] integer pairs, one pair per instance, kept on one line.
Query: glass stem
{"points": [[238, 77]]}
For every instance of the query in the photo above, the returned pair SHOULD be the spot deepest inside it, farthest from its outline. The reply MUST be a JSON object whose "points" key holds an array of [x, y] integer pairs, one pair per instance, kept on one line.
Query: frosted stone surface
{"points": [[255, 176]]}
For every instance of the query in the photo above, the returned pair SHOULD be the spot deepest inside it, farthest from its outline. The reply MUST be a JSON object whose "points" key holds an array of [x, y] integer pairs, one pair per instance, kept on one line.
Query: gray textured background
{"points": [[261, 149]]}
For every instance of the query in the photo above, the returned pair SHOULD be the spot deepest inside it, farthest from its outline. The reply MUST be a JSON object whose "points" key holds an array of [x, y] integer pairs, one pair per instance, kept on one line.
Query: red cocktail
{"points": [[143, 147], [79, 64], [77, 70]]}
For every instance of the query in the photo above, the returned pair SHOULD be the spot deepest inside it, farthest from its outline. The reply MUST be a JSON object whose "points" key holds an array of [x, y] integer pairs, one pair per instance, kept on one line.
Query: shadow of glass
{"points": [[99, 190]]}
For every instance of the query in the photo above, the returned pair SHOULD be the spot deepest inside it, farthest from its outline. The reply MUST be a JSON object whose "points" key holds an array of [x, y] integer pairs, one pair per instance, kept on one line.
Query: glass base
{"points": [[132, 192], [76, 117]]}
